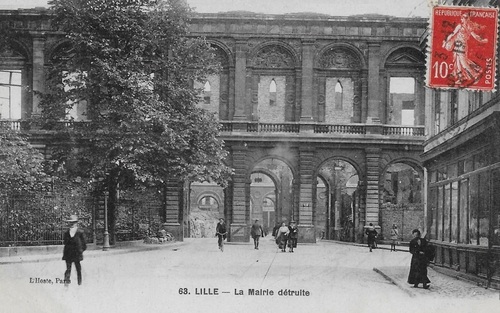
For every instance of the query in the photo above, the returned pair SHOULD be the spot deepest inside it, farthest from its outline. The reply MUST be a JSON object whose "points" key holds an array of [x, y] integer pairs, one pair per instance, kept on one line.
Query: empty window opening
{"points": [[402, 101], [339, 95], [207, 93], [272, 92]]}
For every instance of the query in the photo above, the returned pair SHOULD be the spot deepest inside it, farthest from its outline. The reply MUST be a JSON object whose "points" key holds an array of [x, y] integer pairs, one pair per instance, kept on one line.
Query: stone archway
{"points": [[336, 209], [271, 192], [205, 207], [401, 198]]}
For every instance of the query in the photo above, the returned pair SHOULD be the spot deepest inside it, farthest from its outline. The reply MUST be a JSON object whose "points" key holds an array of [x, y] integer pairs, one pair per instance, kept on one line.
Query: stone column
{"points": [[240, 80], [173, 202], [239, 231], [305, 217], [38, 72], [307, 81], [374, 98], [372, 185]]}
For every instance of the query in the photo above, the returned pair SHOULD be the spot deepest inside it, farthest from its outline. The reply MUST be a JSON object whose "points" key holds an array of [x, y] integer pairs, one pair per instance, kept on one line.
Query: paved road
{"points": [[196, 277]]}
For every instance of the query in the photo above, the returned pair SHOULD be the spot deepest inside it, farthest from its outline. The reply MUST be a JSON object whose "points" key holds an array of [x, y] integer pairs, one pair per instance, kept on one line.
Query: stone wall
{"points": [[335, 112], [407, 217], [274, 113]]}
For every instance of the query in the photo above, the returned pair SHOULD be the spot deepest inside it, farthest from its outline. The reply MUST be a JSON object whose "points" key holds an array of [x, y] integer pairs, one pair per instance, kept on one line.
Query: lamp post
{"points": [[105, 246]]}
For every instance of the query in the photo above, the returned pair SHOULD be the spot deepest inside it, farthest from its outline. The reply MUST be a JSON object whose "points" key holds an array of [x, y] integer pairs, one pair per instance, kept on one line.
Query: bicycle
{"points": [[221, 240]]}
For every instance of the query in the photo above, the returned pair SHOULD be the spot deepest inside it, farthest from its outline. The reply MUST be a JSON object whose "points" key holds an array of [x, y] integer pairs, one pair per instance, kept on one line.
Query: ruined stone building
{"points": [[323, 118]]}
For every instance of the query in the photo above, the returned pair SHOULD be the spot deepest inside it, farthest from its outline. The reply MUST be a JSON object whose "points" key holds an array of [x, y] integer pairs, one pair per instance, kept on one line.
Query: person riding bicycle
{"points": [[221, 232]]}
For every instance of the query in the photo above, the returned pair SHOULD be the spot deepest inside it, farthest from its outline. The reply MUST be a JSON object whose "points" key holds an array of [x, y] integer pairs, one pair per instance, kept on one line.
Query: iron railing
{"points": [[37, 220]]}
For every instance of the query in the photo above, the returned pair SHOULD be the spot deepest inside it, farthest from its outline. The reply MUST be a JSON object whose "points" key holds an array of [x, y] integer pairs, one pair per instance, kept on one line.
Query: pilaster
{"points": [[305, 217], [374, 98], [372, 185], [38, 71], [173, 208], [241, 189], [307, 80], [240, 85]]}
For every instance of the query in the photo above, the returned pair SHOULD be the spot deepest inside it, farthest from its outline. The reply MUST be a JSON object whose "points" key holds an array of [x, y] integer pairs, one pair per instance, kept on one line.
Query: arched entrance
{"points": [[402, 200], [271, 197], [205, 207], [336, 214]]}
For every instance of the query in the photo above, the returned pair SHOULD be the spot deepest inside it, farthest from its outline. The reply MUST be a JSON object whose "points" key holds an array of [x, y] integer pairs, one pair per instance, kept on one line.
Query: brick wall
{"points": [[266, 112], [336, 113], [407, 217], [213, 106]]}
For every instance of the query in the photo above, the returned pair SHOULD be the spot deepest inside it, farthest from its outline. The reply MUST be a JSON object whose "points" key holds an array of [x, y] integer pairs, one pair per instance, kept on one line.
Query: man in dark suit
{"points": [[256, 232], [74, 245]]}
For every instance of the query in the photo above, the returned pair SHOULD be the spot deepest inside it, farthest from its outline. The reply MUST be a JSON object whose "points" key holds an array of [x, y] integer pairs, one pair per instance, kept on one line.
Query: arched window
{"points": [[77, 109], [339, 95], [12, 76], [10, 94], [272, 92], [206, 93]]}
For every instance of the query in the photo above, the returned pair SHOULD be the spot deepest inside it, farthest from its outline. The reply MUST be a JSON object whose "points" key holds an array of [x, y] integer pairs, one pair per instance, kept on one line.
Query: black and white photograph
{"points": [[322, 156]]}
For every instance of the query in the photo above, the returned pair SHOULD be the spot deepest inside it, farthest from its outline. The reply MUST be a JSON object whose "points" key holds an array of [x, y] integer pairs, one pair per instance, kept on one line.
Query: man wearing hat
{"points": [[256, 231], [221, 233], [74, 245], [292, 236]]}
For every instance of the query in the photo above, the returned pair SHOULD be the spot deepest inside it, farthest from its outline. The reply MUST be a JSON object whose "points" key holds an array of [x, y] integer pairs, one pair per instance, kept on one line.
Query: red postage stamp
{"points": [[463, 48]]}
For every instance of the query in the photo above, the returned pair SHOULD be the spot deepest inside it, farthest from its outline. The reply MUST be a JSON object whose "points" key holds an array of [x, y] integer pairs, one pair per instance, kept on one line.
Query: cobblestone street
{"points": [[194, 276]]}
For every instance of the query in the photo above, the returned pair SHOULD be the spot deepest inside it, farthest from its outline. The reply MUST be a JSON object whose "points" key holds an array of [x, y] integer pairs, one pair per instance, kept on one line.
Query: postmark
{"points": [[462, 48]]}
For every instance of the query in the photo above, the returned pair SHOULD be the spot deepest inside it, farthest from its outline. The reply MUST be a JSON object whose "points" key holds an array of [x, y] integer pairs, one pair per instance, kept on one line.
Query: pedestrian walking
{"points": [[292, 236], [221, 233], [372, 235], [394, 237], [74, 245], [282, 236], [275, 229], [418, 266], [256, 232]]}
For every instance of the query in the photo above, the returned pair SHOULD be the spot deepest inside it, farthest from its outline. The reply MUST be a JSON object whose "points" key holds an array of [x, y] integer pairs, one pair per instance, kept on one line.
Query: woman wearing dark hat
{"points": [[74, 245], [418, 266], [220, 231], [292, 236]]}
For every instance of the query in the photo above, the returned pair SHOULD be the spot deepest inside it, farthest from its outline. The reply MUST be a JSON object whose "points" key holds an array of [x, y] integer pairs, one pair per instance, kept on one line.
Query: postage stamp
{"points": [[462, 50]]}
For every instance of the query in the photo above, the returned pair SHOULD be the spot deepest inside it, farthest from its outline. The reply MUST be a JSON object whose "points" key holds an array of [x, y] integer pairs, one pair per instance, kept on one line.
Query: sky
{"points": [[399, 8]]}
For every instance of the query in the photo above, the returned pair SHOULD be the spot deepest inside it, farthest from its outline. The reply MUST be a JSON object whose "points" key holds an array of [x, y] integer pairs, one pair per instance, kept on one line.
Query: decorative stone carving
{"points": [[356, 100], [8, 52], [273, 57], [223, 97], [338, 59], [255, 96], [406, 57], [321, 99]]}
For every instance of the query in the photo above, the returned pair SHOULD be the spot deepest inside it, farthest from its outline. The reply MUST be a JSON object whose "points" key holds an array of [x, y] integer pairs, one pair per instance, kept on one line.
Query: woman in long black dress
{"points": [[418, 267]]}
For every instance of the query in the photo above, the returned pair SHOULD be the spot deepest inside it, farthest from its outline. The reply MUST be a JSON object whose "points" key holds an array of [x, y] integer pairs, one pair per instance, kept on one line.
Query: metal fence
{"points": [[40, 219]]}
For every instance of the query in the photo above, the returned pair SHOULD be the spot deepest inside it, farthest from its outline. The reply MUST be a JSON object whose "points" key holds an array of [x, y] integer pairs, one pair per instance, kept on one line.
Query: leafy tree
{"points": [[133, 66], [21, 165]]}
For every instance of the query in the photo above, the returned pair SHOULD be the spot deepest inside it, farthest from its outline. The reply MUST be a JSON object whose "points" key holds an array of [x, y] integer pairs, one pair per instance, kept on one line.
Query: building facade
{"points": [[323, 118], [462, 161]]}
